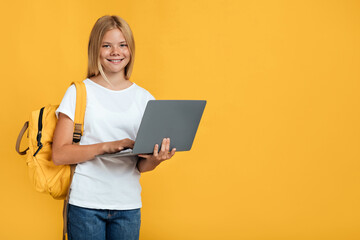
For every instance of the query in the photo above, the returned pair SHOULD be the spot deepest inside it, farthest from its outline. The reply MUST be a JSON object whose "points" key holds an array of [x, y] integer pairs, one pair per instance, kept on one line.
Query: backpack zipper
{"points": [[38, 137]]}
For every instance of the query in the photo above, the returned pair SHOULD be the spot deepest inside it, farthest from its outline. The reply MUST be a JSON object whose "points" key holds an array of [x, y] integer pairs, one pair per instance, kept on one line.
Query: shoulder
{"points": [[142, 92], [70, 93], [87, 82], [71, 88]]}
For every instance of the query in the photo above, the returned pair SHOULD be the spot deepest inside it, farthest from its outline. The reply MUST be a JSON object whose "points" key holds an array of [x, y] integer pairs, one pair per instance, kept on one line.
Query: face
{"points": [[114, 52]]}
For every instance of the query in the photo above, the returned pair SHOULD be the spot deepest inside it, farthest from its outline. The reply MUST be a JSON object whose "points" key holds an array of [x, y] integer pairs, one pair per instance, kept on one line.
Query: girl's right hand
{"points": [[64, 152], [116, 146]]}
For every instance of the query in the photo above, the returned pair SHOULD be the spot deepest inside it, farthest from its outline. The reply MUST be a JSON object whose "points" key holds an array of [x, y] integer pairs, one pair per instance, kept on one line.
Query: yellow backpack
{"points": [[44, 174]]}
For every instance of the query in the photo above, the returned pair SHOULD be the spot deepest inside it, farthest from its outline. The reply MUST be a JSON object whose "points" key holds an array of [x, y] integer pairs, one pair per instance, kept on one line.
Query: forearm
{"points": [[72, 154]]}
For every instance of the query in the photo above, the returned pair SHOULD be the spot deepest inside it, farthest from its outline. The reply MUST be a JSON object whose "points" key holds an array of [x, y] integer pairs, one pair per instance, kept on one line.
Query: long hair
{"points": [[100, 28]]}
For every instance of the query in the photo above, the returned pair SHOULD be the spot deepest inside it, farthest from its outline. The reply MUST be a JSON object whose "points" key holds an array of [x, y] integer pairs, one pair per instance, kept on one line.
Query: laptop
{"points": [[174, 119]]}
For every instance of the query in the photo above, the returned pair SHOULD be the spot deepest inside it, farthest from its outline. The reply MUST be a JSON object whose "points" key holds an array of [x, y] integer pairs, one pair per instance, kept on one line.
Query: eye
{"points": [[123, 45], [106, 46]]}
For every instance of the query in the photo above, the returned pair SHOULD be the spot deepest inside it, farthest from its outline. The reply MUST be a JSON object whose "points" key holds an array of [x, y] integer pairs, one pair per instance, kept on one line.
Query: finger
{"points": [[156, 150], [163, 145], [131, 145], [128, 143], [167, 146], [172, 152]]}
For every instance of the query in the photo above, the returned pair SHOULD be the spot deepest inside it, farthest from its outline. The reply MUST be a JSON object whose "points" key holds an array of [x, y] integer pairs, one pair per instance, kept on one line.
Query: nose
{"points": [[115, 51]]}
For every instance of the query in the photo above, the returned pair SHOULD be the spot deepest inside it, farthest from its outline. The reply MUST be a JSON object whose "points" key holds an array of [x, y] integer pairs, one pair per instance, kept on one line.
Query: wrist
{"points": [[102, 148], [146, 164]]}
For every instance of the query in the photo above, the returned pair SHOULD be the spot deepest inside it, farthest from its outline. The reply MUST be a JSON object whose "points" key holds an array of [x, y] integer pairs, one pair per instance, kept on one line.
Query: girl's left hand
{"points": [[161, 156]]}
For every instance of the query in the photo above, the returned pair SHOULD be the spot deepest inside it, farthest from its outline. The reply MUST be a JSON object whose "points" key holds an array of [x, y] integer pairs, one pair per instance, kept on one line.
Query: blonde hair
{"points": [[102, 26]]}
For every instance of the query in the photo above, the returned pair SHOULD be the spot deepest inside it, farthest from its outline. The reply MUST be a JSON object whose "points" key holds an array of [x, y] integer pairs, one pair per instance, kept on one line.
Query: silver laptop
{"points": [[174, 119]]}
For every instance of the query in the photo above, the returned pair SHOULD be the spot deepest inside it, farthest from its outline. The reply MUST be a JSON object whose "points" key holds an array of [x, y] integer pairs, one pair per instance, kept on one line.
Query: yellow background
{"points": [[276, 155]]}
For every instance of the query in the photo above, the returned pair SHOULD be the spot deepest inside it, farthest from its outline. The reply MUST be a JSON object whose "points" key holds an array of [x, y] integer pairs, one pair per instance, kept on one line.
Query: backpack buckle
{"points": [[77, 133]]}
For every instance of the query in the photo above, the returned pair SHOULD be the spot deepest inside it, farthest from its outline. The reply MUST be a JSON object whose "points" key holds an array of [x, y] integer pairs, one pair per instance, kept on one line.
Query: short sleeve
{"points": [[68, 103], [149, 96]]}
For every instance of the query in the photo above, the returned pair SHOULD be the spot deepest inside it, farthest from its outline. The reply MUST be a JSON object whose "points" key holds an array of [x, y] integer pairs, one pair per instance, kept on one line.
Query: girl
{"points": [[105, 196]]}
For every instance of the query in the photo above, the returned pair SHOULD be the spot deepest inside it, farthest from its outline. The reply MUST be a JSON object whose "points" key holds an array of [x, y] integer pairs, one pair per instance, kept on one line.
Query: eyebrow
{"points": [[111, 43]]}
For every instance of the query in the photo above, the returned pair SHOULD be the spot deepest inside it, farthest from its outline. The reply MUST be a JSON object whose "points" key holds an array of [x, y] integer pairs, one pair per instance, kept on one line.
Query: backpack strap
{"points": [[78, 132], [79, 111]]}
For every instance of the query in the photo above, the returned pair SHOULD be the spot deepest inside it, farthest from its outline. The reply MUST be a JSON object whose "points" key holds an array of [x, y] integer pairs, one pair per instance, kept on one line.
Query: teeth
{"points": [[114, 60]]}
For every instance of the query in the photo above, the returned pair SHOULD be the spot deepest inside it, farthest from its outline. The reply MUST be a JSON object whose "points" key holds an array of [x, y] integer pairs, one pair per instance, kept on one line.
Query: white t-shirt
{"points": [[107, 183]]}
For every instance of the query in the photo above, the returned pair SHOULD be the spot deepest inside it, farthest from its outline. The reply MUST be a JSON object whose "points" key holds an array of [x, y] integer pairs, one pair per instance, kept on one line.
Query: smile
{"points": [[115, 60]]}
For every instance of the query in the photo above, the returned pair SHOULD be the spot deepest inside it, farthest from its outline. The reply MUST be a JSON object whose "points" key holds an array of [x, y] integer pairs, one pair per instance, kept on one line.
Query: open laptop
{"points": [[174, 119]]}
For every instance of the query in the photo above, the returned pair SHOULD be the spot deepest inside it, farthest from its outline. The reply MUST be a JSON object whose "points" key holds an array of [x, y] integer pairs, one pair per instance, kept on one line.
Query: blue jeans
{"points": [[95, 224]]}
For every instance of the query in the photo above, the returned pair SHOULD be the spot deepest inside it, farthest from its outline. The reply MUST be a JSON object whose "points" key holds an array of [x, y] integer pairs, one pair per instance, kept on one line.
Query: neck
{"points": [[117, 81], [115, 78]]}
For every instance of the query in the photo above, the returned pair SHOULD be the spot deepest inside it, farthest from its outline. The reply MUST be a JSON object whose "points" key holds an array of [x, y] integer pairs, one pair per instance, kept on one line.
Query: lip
{"points": [[111, 61]]}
